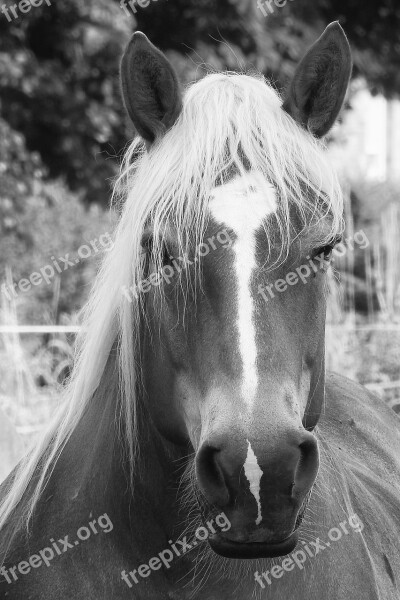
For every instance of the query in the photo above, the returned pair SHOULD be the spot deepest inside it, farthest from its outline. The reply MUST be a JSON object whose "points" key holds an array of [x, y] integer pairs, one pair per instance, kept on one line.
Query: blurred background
{"points": [[62, 134]]}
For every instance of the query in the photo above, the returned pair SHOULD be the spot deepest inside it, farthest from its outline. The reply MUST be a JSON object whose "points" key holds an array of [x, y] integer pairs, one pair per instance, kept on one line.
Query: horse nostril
{"points": [[307, 466], [210, 476]]}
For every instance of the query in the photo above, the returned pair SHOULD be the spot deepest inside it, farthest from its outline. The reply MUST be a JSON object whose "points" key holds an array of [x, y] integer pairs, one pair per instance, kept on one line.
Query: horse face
{"points": [[234, 344], [236, 366]]}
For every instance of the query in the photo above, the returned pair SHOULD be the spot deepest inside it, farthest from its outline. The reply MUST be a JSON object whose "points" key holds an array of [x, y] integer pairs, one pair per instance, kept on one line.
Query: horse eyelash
{"points": [[327, 248]]}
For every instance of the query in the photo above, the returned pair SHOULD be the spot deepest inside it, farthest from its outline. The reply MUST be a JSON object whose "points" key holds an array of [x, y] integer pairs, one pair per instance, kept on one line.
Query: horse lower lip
{"points": [[231, 549]]}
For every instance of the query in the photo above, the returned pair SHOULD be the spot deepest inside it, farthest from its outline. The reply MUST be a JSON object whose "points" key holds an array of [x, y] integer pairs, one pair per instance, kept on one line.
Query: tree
{"points": [[59, 87]]}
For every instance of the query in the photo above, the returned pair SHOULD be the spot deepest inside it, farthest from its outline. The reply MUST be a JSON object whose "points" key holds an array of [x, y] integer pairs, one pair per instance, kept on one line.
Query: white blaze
{"points": [[242, 205], [253, 474]]}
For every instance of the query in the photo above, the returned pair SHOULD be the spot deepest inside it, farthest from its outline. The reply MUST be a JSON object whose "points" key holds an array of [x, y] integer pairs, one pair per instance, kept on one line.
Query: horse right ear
{"points": [[150, 88]]}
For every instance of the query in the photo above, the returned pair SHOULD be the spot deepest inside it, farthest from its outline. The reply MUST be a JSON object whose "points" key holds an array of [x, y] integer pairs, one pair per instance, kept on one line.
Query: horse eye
{"points": [[328, 249]]}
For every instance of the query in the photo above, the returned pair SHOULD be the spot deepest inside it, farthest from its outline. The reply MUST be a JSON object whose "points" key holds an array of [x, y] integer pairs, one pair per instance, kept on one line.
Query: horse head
{"points": [[234, 280]]}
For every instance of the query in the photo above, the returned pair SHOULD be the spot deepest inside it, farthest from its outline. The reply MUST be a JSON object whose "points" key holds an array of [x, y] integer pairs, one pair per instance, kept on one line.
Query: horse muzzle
{"points": [[262, 487]]}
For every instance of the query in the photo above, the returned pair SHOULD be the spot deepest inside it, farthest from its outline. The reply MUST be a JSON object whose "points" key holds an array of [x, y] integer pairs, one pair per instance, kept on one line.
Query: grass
{"points": [[32, 369]]}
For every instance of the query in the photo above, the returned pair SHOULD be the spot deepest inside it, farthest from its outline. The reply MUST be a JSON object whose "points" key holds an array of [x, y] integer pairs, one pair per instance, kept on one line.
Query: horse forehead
{"points": [[243, 203]]}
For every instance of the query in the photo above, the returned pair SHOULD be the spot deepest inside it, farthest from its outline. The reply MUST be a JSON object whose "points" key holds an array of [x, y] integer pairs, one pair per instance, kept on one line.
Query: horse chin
{"points": [[247, 550], [256, 544]]}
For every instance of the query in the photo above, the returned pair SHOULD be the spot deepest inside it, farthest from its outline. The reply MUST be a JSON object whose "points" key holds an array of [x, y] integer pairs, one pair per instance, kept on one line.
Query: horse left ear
{"points": [[150, 88], [320, 82]]}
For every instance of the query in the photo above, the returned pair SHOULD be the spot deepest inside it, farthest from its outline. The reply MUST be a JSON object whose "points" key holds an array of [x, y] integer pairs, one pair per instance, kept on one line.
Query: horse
{"points": [[202, 451]]}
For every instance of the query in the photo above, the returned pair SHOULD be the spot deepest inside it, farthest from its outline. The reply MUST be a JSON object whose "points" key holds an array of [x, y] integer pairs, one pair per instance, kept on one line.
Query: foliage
{"points": [[59, 87], [52, 224], [18, 170], [31, 211]]}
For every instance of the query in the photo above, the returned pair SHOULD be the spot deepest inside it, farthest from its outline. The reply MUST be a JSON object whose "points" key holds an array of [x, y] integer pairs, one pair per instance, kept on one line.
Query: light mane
{"points": [[229, 123]]}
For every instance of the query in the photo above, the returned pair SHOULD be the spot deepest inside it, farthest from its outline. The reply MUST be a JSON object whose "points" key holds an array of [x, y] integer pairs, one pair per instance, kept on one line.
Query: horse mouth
{"points": [[232, 549], [225, 546]]}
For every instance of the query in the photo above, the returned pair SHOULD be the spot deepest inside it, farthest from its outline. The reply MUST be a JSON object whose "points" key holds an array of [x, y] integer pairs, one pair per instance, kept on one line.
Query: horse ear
{"points": [[150, 88], [320, 82]]}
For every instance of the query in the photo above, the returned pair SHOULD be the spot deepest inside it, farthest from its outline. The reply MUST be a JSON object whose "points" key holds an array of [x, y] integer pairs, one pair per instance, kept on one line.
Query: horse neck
{"points": [[96, 459]]}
